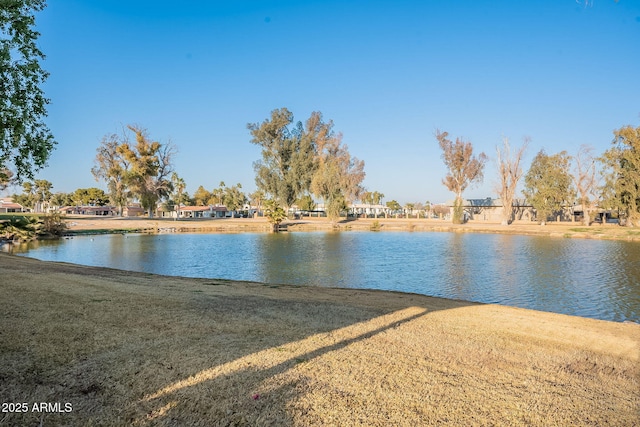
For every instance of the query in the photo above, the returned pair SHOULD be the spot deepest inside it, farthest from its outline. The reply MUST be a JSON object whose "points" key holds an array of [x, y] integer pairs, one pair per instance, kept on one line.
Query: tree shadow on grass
{"points": [[195, 352], [259, 388]]}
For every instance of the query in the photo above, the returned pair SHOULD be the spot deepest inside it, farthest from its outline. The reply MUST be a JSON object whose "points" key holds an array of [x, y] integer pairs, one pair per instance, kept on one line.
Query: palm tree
{"points": [[408, 207], [257, 197], [178, 186], [376, 198]]}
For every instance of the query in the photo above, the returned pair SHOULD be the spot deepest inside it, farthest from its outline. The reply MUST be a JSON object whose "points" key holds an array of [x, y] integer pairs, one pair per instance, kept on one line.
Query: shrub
{"points": [[18, 228], [52, 224]]}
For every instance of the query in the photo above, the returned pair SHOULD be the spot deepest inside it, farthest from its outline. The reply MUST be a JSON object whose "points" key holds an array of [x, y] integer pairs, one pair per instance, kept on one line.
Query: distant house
{"points": [[194, 212], [369, 209], [596, 214], [491, 210], [219, 212], [8, 206], [133, 210], [88, 210], [198, 212]]}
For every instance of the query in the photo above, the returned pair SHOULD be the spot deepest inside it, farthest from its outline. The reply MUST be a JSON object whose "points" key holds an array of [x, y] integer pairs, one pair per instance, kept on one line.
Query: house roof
{"points": [[487, 203], [87, 208], [194, 208], [7, 202], [10, 205], [203, 208]]}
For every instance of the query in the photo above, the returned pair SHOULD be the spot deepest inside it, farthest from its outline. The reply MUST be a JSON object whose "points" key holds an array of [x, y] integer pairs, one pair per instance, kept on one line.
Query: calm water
{"points": [[590, 278]]}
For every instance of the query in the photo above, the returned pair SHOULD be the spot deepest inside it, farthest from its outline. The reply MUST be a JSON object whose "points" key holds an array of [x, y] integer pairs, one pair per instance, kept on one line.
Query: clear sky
{"points": [[387, 72]]}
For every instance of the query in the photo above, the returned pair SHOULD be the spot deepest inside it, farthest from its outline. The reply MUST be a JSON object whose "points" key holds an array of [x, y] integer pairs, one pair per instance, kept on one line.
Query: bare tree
{"points": [[464, 169], [584, 177], [509, 174]]}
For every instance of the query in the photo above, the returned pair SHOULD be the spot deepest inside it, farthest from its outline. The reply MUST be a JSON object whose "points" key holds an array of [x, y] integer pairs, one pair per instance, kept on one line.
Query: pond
{"points": [[589, 278]]}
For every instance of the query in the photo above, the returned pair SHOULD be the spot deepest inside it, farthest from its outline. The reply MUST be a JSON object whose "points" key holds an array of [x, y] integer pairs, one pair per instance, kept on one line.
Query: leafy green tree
{"points": [[25, 140], [306, 203], [372, 198], [366, 197], [622, 175], [376, 197], [60, 199], [27, 197], [111, 167], [464, 169], [548, 184], [89, 196], [287, 163], [149, 175], [394, 205], [234, 199], [41, 193], [35, 195], [274, 213], [338, 177], [302, 158], [6, 176], [202, 197]]}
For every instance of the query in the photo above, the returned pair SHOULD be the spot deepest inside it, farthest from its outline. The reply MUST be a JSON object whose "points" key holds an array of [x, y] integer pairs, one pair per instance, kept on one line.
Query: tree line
{"points": [[298, 161], [302, 161], [610, 181]]}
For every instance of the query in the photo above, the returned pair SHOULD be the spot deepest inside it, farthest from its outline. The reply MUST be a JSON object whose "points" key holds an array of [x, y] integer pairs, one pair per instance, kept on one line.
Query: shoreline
{"points": [[141, 349], [105, 225]]}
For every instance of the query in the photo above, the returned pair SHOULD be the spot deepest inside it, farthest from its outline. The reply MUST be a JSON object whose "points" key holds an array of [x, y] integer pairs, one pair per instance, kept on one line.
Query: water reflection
{"points": [[591, 278], [318, 259]]}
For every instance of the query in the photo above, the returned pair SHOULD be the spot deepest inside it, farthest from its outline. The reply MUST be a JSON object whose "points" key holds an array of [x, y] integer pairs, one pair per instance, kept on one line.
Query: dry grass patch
{"points": [[137, 349]]}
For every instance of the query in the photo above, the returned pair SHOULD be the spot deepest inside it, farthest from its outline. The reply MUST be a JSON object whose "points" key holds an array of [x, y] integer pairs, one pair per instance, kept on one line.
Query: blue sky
{"points": [[388, 73]]}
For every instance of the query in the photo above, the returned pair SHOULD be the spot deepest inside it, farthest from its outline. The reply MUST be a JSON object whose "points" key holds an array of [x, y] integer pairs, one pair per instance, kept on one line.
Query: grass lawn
{"points": [[137, 349]]}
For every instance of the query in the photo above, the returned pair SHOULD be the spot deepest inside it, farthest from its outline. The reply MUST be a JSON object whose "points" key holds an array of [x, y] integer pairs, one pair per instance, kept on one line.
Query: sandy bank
{"points": [[564, 229], [138, 349]]}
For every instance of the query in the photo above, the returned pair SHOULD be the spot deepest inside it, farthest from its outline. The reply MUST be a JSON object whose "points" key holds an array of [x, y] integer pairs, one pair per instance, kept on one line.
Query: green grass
{"points": [[11, 215], [587, 230], [103, 231]]}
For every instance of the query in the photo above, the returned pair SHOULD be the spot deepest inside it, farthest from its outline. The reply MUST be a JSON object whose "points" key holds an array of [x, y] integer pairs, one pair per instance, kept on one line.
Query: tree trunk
{"points": [[507, 211], [458, 211]]}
